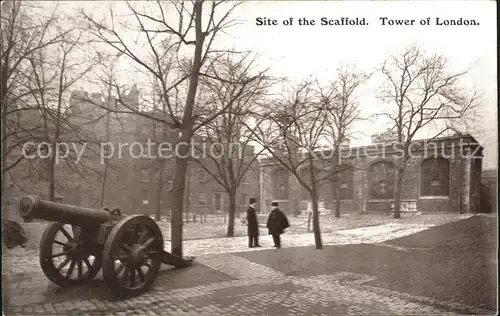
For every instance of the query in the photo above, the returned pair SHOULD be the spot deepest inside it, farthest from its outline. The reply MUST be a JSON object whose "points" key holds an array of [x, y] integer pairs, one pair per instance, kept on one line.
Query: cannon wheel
{"points": [[132, 255], [75, 264]]}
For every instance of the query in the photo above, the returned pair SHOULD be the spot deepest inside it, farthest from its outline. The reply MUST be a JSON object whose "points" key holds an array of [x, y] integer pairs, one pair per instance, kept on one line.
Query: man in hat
{"points": [[253, 225], [276, 224]]}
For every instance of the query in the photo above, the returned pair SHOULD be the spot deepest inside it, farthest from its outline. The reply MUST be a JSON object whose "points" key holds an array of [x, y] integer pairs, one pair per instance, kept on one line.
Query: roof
{"points": [[386, 147]]}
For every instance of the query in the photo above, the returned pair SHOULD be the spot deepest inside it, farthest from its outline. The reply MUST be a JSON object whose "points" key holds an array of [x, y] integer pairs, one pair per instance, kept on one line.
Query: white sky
{"points": [[299, 51], [296, 51]]}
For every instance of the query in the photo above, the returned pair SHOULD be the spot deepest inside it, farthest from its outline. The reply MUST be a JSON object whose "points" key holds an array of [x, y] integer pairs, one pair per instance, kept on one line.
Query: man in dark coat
{"points": [[276, 224], [253, 225]]}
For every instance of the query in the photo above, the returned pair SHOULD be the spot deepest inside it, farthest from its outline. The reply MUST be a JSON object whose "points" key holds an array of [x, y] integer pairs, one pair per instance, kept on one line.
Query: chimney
{"points": [[385, 137], [133, 96]]}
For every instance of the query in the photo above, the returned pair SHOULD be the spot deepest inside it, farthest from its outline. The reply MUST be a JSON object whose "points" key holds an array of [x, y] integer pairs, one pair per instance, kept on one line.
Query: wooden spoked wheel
{"points": [[132, 255], [66, 256]]}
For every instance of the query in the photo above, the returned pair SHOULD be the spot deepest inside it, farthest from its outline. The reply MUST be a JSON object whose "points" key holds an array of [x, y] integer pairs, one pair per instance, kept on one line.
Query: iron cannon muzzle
{"points": [[26, 206]]}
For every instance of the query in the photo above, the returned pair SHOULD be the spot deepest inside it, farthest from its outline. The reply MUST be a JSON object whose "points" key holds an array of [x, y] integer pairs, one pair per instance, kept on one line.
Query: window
{"points": [[382, 176], [158, 130], [202, 198], [145, 174], [202, 175], [169, 173], [435, 177], [218, 201], [145, 197], [43, 169], [244, 199], [44, 149]]}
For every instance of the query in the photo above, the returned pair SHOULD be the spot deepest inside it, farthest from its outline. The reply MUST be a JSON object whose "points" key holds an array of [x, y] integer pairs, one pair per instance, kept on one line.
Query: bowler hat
{"points": [[274, 204], [252, 200]]}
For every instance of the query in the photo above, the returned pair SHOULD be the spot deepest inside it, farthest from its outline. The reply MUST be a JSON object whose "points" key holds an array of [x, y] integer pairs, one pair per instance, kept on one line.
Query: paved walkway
{"points": [[19, 260], [371, 235], [220, 283]]}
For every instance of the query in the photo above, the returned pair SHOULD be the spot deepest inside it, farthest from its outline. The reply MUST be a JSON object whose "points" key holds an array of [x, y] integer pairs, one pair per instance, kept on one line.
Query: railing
{"points": [[409, 206]]}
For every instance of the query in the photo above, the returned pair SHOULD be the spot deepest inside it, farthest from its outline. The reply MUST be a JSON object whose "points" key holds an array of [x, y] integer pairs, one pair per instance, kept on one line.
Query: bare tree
{"points": [[230, 84], [104, 79], [160, 133], [340, 101], [420, 90], [24, 31], [295, 134], [55, 70], [170, 27]]}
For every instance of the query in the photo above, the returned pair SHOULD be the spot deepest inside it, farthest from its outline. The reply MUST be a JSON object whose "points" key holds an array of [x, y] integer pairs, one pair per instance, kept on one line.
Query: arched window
{"points": [[435, 177], [382, 176]]}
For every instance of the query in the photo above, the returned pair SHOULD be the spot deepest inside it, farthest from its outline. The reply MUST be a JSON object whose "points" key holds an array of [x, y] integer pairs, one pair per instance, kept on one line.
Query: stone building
{"points": [[203, 193], [131, 178], [490, 190], [443, 175], [134, 182]]}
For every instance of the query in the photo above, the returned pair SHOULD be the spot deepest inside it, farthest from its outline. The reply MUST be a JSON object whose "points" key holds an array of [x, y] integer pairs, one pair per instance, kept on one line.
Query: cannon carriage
{"points": [[81, 241]]}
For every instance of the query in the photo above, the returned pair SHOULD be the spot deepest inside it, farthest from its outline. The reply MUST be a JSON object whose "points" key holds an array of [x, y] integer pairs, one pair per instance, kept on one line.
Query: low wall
{"points": [[435, 205], [379, 206]]}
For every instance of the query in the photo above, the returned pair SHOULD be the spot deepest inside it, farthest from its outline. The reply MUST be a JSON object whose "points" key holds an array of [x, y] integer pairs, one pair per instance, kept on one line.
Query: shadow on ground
{"points": [[169, 278], [453, 262]]}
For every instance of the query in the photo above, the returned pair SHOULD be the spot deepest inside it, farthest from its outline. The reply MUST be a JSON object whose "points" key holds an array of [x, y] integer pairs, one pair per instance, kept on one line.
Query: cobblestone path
{"points": [[220, 283], [259, 290]]}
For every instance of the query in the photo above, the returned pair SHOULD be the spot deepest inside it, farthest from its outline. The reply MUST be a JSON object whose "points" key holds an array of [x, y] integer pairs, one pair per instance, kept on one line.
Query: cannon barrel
{"points": [[31, 208]]}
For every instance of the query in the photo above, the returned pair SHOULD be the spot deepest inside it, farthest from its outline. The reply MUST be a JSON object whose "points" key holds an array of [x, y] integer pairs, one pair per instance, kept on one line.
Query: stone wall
{"points": [[436, 205], [464, 173], [346, 206], [490, 193]]}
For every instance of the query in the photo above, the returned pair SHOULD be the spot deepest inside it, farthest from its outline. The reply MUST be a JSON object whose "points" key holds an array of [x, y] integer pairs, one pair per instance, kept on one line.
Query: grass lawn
{"points": [[453, 262], [216, 226]]}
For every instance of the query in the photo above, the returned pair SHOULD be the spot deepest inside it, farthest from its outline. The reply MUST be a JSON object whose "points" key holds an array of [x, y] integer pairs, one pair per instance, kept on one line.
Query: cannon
{"points": [[81, 241]]}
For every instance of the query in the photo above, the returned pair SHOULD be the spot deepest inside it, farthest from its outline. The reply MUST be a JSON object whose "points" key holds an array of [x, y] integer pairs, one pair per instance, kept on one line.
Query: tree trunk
{"points": [[337, 198], [52, 176], [159, 186], [232, 211], [186, 134], [103, 186], [336, 183], [316, 228], [4, 158], [105, 175], [177, 204], [397, 191], [187, 194]]}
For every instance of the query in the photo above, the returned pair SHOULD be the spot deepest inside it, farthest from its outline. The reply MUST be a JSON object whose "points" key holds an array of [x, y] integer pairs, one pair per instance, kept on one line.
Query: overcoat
{"points": [[277, 222], [253, 224]]}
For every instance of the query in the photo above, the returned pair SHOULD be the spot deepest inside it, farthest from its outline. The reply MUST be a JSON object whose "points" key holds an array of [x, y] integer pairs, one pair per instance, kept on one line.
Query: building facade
{"points": [[203, 194], [490, 190], [443, 175], [119, 174]]}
